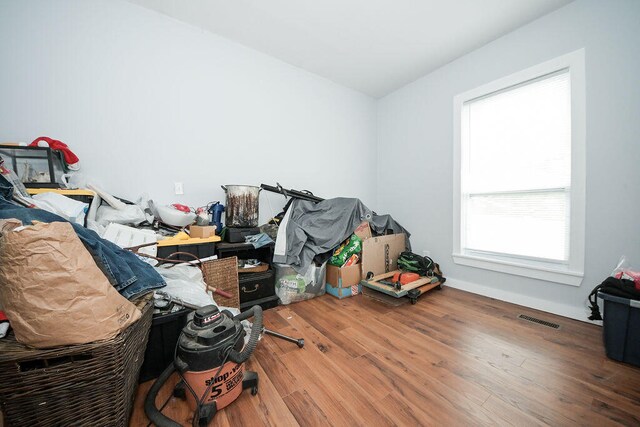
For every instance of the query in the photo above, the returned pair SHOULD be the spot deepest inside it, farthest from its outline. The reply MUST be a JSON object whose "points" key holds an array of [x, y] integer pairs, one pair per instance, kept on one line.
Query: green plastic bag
{"points": [[351, 246]]}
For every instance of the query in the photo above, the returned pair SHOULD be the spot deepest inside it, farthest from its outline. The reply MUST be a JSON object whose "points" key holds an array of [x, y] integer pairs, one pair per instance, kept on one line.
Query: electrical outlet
{"points": [[178, 188], [426, 253]]}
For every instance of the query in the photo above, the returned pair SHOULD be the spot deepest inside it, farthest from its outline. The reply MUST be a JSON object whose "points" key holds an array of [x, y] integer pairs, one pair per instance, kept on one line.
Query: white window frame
{"points": [[570, 273]]}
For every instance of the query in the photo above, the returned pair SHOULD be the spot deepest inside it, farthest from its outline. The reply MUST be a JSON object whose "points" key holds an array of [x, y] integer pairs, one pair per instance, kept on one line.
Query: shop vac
{"points": [[209, 357]]}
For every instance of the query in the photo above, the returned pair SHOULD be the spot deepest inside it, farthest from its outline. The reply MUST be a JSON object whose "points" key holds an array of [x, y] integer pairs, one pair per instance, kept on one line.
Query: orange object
{"points": [[353, 259], [405, 278]]}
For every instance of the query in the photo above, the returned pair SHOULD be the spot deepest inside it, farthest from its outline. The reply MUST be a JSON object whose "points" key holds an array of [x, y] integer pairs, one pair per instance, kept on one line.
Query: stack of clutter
{"points": [[344, 269], [62, 283]]}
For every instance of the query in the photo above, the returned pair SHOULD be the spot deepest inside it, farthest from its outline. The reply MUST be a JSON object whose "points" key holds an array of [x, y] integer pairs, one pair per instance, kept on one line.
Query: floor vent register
{"points": [[539, 321]]}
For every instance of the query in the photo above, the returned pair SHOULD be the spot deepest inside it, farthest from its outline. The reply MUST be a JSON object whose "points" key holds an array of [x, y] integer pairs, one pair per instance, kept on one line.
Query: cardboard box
{"points": [[202, 232], [380, 254], [344, 292], [343, 277], [343, 282]]}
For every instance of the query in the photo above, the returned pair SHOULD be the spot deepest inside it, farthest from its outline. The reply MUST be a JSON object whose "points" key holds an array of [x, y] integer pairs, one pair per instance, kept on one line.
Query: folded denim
{"points": [[128, 274]]}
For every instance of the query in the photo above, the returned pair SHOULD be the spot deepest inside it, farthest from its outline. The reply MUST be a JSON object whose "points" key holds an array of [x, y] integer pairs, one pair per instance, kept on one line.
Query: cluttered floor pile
{"points": [[81, 267]]}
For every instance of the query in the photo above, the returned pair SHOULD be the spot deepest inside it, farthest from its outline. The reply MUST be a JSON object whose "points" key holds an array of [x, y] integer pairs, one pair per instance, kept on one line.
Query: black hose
{"points": [[150, 402], [256, 330]]}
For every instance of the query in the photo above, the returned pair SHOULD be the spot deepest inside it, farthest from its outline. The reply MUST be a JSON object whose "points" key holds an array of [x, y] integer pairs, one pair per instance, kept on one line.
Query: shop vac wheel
{"points": [[180, 391], [254, 390]]}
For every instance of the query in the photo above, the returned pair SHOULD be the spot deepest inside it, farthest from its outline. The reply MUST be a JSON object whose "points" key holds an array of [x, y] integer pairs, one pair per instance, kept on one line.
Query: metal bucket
{"points": [[242, 205]]}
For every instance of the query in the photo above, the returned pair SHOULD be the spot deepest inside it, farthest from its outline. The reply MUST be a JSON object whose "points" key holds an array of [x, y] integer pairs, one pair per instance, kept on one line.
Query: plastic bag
{"points": [[624, 271], [294, 287], [185, 282], [68, 208], [146, 205], [351, 246], [130, 215]]}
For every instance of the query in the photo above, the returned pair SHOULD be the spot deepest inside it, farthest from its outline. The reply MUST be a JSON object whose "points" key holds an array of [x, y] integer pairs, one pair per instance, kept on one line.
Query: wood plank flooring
{"points": [[452, 359]]}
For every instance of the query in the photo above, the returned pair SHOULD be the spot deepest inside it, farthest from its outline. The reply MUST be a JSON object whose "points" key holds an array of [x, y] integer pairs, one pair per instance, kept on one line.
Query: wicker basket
{"points": [[88, 384], [223, 274]]}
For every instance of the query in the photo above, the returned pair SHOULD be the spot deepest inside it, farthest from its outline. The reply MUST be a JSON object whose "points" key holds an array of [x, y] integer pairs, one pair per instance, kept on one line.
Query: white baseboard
{"points": [[577, 313]]}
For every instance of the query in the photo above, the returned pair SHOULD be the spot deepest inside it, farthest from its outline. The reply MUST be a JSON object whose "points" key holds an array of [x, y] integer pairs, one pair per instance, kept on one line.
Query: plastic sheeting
{"points": [[309, 229]]}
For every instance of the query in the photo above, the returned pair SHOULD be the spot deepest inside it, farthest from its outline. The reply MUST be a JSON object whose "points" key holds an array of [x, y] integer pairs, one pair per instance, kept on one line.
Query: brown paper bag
{"points": [[53, 292]]}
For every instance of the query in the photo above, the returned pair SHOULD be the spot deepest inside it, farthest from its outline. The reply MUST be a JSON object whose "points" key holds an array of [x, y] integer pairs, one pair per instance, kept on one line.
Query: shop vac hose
{"points": [[256, 330], [150, 409]]}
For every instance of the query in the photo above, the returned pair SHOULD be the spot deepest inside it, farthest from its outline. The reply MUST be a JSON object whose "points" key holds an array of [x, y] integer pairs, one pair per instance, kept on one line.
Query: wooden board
{"points": [[63, 191], [373, 283]]}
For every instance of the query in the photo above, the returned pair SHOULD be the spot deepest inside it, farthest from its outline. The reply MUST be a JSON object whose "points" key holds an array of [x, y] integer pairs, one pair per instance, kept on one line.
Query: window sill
{"points": [[542, 272]]}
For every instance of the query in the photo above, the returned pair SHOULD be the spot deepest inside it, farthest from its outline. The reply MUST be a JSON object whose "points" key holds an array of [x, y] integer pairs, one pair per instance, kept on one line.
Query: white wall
{"points": [[145, 101], [415, 130]]}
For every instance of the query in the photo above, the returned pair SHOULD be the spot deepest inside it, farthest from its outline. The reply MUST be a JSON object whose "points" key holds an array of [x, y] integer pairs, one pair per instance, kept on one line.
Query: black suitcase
{"points": [[254, 286]]}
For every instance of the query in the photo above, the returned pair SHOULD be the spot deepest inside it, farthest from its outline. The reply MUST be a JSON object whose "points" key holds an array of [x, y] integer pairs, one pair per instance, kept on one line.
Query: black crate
{"points": [[163, 337], [254, 286], [245, 251], [265, 303], [621, 328], [201, 250], [238, 234]]}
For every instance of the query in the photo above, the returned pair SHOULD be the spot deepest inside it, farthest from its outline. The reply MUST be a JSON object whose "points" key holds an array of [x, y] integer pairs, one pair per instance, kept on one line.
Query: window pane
{"points": [[532, 224], [520, 139]]}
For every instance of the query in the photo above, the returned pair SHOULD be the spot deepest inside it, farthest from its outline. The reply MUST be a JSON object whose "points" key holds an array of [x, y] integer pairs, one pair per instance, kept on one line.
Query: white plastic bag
{"points": [[186, 283], [130, 215], [624, 271], [66, 207], [294, 287]]}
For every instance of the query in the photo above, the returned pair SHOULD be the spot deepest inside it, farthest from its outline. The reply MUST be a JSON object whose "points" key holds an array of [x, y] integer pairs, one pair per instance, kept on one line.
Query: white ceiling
{"points": [[373, 46]]}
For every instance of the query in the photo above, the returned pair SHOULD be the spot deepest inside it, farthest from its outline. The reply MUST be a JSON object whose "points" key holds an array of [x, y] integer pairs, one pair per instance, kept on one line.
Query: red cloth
{"points": [[3, 317], [69, 157]]}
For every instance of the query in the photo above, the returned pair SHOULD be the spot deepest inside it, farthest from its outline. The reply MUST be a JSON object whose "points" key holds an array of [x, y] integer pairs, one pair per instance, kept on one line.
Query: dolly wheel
{"points": [[413, 295], [370, 275], [254, 390], [439, 287]]}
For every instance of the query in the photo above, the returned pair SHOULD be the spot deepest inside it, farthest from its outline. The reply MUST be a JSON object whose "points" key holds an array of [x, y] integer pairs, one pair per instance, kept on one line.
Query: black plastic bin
{"points": [[621, 326], [165, 330], [201, 250]]}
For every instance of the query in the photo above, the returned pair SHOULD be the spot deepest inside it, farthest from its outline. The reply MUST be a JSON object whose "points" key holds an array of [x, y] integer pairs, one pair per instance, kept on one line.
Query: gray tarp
{"points": [[309, 229]]}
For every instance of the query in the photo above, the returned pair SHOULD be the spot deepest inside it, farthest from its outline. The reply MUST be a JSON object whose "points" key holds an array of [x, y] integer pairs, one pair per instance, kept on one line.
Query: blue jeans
{"points": [[128, 274]]}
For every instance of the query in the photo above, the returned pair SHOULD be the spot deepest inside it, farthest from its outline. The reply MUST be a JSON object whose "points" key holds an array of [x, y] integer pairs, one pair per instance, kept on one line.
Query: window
{"points": [[519, 173]]}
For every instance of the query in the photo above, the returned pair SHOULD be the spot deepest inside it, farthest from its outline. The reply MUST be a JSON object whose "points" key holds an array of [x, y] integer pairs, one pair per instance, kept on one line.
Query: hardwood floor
{"points": [[454, 358]]}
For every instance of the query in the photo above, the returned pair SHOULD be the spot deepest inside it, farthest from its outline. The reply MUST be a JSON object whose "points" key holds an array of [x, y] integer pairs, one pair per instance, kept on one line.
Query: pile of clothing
{"points": [[62, 283]]}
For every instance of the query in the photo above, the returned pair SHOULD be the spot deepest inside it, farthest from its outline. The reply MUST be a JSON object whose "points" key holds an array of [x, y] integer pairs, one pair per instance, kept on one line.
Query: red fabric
{"points": [[3, 317], [69, 157]]}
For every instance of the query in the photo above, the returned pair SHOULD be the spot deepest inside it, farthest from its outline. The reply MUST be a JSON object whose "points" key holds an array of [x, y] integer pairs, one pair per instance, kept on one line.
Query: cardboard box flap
{"points": [[380, 254], [363, 231]]}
